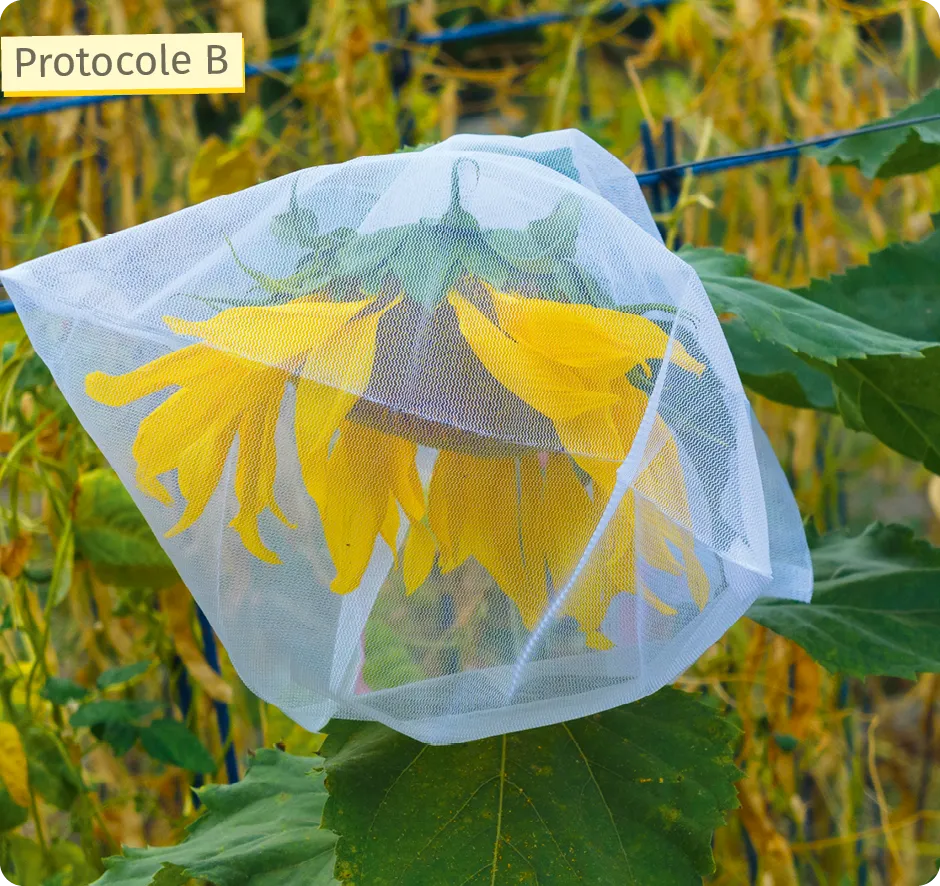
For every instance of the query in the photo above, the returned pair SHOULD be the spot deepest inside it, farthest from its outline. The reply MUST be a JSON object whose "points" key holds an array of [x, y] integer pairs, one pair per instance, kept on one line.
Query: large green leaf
{"points": [[775, 372], [894, 398], [263, 831], [898, 401], [891, 152], [876, 604], [898, 290], [787, 318], [894, 395], [111, 533], [630, 796]]}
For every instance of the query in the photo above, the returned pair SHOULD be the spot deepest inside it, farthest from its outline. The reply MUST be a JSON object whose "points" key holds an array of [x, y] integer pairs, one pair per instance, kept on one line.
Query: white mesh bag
{"points": [[446, 439]]}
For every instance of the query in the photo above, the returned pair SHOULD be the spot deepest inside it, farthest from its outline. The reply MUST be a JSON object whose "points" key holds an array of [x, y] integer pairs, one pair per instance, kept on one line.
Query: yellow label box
{"points": [[122, 64]]}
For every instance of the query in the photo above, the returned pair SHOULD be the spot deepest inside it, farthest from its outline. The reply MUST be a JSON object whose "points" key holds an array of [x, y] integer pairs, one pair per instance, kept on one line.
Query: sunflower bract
{"points": [[477, 409]]}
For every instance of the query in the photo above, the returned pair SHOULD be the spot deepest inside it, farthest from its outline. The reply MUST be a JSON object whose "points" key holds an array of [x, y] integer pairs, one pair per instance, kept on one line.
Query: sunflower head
{"points": [[454, 399]]}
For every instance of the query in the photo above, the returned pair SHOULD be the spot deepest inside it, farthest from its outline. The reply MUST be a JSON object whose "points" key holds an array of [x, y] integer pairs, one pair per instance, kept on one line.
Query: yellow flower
{"points": [[232, 383], [524, 515]]}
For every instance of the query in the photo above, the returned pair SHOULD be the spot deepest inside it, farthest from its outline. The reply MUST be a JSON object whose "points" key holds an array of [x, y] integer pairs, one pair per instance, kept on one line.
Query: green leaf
{"points": [[171, 742], [60, 690], [901, 151], [49, 770], [70, 865], [535, 248], [63, 568], [894, 398], [306, 279], [876, 605], [11, 815], [30, 864], [630, 796], [171, 875], [297, 225], [363, 257], [263, 831], [120, 736], [775, 372], [787, 318], [896, 291], [33, 374], [426, 271], [7, 620], [123, 674], [107, 711], [896, 401], [559, 159], [111, 533]]}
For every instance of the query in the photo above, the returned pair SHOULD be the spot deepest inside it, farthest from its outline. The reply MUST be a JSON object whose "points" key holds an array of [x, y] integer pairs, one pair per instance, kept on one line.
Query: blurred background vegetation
{"points": [[837, 785]]}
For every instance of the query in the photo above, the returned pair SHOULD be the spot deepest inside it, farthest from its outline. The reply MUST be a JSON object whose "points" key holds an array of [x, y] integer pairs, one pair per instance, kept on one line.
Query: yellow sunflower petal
{"points": [[585, 337], [317, 414], [418, 556], [555, 390], [272, 334], [332, 380], [597, 640], [657, 604], [611, 570], [164, 436], [356, 503], [176, 368], [200, 469], [600, 440], [257, 459], [488, 508], [445, 506], [403, 476], [593, 441], [570, 517], [389, 528]]}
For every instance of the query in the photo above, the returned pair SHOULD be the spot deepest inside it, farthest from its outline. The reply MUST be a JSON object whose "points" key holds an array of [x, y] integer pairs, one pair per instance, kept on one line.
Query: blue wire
{"points": [[51, 105], [655, 177], [288, 63], [773, 152], [719, 164]]}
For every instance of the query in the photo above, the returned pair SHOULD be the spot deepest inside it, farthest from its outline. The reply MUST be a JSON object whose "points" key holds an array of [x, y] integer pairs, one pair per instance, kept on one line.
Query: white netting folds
{"points": [[446, 439]]}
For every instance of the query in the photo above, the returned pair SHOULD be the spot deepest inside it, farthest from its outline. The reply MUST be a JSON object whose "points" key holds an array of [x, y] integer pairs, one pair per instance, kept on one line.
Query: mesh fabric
{"points": [[445, 439]]}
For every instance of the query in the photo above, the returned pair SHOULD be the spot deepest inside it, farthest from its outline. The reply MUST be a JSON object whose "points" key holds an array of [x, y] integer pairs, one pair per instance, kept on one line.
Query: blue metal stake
{"points": [[211, 653], [649, 158]]}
